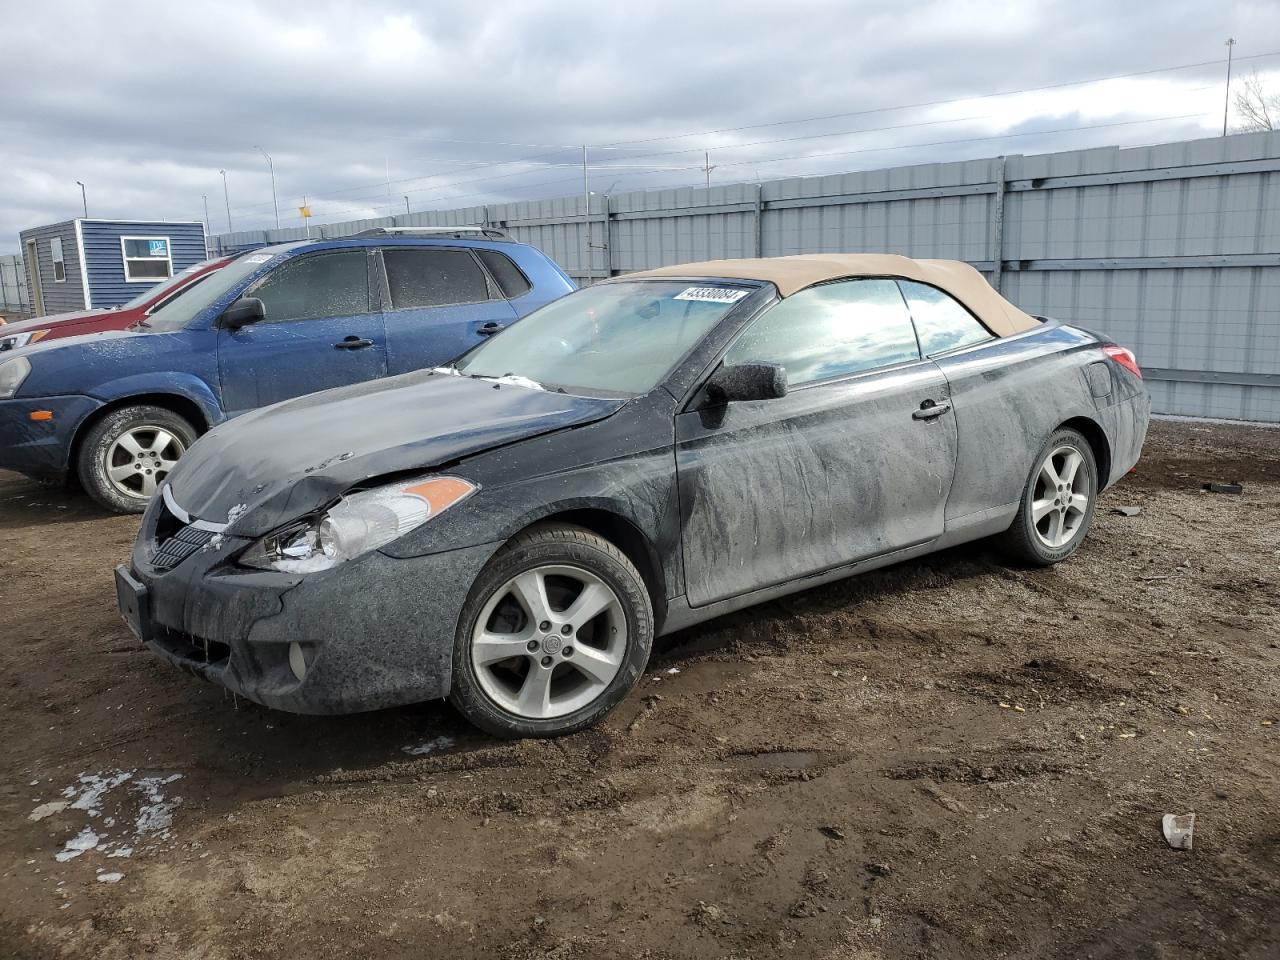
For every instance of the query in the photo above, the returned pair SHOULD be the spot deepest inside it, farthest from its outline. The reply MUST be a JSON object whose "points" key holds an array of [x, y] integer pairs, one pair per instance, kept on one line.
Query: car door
{"points": [[442, 302], [321, 329], [856, 460]]}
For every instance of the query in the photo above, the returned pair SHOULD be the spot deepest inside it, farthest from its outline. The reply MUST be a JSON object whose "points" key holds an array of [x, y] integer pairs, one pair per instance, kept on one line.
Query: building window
{"points": [[146, 259], [59, 262]]}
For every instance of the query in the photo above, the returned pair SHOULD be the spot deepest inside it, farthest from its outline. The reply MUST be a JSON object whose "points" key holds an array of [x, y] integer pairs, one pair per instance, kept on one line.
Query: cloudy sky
{"points": [[361, 105]]}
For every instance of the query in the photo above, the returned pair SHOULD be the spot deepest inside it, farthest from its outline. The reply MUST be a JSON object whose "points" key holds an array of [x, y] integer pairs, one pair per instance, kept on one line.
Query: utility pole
{"points": [[83, 200], [707, 167], [406, 206], [272, 167], [207, 229], [586, 218], [227, 198], [1226, 100]]}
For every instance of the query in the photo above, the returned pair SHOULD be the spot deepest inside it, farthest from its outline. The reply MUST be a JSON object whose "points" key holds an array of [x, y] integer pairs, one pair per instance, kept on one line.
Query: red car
{"points": [[14, 335]]}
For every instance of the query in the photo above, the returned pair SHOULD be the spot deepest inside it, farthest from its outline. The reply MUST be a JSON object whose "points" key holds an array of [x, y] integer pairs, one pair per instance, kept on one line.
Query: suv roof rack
{"points": [[453, 233]]}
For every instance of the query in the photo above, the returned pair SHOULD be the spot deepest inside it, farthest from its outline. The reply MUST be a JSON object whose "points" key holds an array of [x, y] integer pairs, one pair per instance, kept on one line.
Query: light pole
{"points": [[1226, 99], [205, 198], [272, 167], [84, 202], [226, 198]]}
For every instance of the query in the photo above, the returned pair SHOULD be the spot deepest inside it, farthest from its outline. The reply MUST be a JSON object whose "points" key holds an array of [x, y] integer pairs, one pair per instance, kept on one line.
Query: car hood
{"points": [[276, 464], [51, 320]]}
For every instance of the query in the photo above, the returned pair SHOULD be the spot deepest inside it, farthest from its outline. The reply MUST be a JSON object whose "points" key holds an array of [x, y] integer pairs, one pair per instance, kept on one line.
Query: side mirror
{"points": [[748, 381], [243, 312]]}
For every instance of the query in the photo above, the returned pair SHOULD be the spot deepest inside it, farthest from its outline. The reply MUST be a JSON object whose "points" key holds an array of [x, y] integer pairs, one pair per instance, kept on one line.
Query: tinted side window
{"points": [[425, 277], [321, 285], [942, 323], [831, 330], [510, 280]]}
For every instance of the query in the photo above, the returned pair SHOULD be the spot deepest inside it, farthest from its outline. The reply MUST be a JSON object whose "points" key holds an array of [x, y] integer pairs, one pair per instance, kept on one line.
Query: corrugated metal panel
{"points": [[13, 283], [1173, 248], [107, 284], [58, 296]]}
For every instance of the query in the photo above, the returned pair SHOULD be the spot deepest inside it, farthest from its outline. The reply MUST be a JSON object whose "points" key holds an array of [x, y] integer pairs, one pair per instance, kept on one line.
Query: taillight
{"points": [[1125, 358]]}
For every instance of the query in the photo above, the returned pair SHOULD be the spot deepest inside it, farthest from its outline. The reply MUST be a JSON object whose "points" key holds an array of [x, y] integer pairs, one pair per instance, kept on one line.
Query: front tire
{"points": [[127, 454], [555, 632], [1057, 503]]}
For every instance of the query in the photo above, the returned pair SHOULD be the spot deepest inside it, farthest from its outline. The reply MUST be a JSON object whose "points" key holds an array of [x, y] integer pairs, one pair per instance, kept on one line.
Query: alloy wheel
{"points": [[140, 458], [1061, 501], [549, 641]]}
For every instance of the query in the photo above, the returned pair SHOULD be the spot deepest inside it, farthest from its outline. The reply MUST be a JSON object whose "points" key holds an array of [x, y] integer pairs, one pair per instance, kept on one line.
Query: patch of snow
{"points": [[86, 839], [235, 513], [312, 564], [447, 371], [94, 787], [121, 852], [674, 670], [516, 380], [216, 541], [155, 816], [429, 746], [47, 809], [114, 877]]}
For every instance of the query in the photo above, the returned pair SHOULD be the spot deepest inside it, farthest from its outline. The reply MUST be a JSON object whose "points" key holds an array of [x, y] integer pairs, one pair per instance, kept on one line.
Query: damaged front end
{"points": [[361, 633]]}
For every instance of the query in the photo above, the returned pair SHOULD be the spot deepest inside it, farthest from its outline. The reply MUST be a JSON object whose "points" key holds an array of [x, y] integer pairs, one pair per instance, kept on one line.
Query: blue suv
{"points": [[116, 410]]}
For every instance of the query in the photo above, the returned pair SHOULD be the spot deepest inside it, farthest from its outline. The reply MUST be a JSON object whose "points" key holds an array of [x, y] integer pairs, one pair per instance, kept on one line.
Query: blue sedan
{"points": [[117, 410]]}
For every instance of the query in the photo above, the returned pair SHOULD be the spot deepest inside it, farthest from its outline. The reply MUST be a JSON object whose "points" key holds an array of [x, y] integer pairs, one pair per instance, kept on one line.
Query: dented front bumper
{"points": [[374, 632]]}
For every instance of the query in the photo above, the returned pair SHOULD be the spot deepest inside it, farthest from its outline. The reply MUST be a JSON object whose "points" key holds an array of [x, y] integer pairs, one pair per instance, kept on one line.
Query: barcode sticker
{"points": [[711, 294]]}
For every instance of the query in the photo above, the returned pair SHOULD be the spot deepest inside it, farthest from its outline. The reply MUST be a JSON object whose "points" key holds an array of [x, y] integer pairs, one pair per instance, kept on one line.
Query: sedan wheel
{"points": [[140, 458], [1062, 497], [549, 641], [1057, 502], [556, 630], [126, 454]]}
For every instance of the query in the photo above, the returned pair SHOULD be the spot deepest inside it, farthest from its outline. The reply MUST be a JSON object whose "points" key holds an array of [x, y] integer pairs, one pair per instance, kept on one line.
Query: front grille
{"points": [[181, 545]]}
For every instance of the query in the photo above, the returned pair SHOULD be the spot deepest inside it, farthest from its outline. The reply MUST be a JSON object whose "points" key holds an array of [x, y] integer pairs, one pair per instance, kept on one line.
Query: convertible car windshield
{"points": [[613, 339]]}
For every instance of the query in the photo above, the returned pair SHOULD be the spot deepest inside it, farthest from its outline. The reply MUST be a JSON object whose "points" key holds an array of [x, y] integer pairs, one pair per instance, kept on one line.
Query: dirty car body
{"points": [[914, 432]]}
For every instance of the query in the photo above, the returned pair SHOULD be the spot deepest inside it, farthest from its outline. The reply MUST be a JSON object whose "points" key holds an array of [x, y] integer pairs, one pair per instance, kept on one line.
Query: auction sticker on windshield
{"points": [[711, 294]]}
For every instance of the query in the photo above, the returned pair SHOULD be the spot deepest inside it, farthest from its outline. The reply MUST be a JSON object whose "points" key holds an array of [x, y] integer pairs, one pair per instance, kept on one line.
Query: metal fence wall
{"points": [[1172, 249], [13, 284]]}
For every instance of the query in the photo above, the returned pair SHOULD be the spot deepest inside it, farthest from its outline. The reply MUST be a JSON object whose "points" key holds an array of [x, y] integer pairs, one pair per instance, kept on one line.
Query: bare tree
{"points": [[1257, 105]]}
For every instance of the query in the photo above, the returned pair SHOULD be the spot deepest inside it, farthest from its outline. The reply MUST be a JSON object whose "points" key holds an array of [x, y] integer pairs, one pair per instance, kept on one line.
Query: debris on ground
{"points": [[1127, 511], [1179, 829], [1223, 487]]}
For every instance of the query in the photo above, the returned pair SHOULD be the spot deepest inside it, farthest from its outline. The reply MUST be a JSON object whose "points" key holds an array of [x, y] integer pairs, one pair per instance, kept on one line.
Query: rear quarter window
{"points": [[511, 280], [942, 322]]}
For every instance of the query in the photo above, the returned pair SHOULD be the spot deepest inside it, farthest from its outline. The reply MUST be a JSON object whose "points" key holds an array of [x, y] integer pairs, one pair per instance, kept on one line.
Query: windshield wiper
{"points": [[143, 324]]}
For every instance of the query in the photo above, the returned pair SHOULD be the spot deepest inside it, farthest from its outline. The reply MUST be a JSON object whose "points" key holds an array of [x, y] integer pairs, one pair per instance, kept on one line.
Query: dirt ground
{"points": [[948, 758]]}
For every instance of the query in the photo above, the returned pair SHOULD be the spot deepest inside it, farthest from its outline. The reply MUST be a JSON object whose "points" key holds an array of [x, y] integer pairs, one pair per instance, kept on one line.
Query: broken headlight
{"points": [[356, 524]]}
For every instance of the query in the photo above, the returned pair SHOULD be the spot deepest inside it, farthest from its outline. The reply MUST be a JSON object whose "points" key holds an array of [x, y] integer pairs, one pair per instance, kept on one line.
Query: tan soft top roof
{"points": [[790, 274]]}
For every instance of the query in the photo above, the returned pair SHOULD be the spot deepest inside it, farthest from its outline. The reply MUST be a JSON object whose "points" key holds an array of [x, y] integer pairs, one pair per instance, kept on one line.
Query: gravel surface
{"points": [[947, 758]]}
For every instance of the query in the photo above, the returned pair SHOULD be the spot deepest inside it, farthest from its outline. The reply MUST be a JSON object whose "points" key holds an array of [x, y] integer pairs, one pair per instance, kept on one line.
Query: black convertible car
{"points": [[514, 530]]}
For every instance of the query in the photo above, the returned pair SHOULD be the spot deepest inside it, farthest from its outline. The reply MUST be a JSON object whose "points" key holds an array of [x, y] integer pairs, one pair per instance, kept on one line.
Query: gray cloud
{"points": [[145, 103]]}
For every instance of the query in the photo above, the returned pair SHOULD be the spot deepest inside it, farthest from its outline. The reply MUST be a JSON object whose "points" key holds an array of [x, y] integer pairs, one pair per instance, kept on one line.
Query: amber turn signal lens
{"points": [[41, 414]]}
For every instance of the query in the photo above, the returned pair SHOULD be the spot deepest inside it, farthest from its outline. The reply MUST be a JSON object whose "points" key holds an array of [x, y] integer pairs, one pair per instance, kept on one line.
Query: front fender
{"points": [[186, 385]]}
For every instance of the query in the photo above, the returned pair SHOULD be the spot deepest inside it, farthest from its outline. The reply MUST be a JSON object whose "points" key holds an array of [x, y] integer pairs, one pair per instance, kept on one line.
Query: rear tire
{"points": [[1058, 502], [555, 632], [127, 454]]}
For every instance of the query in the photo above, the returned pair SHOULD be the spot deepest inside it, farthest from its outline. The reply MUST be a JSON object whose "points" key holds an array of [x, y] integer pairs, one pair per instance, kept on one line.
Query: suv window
{"points": [[426, 277], [511, 280], [831, 331], [941, 322], [320, 285]]}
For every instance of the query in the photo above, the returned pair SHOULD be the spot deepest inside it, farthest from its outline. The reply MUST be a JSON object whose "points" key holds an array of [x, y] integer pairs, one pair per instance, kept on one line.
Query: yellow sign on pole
{"points": [[305, 211]]}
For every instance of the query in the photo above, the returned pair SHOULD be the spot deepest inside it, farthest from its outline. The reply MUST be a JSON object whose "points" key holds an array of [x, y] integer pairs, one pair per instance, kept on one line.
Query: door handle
{"points": [[490, 328], [930, 409], [352, 343]]}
